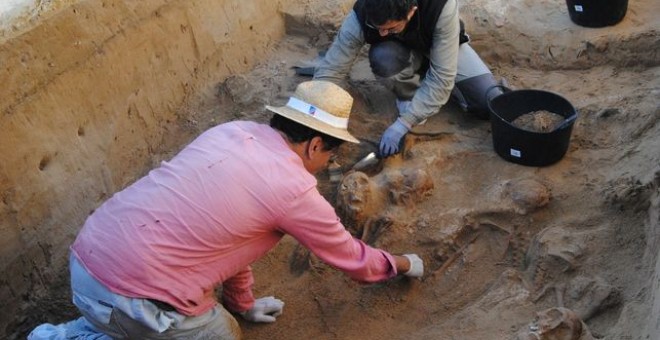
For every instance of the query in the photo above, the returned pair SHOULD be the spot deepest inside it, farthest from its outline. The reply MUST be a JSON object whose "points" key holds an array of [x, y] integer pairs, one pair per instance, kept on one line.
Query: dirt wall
{"points": [[92, 95]]}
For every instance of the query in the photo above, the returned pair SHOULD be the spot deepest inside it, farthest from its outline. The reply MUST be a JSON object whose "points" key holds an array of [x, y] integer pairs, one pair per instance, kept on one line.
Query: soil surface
{"points": [[510, 251], [538, 121]]}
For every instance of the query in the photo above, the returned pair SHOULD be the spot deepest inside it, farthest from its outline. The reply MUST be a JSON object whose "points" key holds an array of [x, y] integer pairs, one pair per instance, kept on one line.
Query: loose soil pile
{"points": [[538, 121]]}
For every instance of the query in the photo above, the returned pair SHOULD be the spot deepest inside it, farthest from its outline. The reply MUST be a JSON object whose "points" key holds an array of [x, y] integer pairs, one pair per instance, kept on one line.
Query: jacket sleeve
{"points": [[237, 291], [338, 60], [312, 221], [436, 87]]}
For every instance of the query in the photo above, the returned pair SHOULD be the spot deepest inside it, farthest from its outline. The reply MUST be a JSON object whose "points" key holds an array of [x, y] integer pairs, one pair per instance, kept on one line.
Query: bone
{"points": [[556, 323]]}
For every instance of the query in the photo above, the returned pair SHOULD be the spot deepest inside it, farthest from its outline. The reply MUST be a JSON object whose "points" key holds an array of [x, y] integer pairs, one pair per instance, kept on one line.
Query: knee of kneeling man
{"points": [[388, 58]]}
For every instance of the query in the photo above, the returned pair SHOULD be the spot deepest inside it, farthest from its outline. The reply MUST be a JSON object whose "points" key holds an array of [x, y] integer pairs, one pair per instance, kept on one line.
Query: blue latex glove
{"points": [[391, 140]]}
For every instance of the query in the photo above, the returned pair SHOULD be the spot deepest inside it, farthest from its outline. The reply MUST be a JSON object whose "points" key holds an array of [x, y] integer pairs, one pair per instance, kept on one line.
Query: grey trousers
{"points": [[107, 315], [402, 70]]}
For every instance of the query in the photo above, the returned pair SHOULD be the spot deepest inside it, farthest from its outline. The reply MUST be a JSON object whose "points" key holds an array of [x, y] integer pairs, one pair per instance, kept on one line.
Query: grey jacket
{"points": [[434, 90]]}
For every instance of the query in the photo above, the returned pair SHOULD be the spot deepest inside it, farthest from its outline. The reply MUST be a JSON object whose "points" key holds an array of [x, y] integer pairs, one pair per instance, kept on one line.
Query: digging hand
{"points": [[416, 266], [390, 143], [265, 309]]}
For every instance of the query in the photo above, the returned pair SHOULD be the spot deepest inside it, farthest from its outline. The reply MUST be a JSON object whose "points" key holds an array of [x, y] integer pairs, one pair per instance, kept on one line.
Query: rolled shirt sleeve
{"points": [[237, 291]]}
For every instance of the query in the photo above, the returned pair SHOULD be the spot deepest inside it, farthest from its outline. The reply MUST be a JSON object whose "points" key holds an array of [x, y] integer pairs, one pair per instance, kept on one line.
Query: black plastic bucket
{"points": [[528, 147], [597, 13]]}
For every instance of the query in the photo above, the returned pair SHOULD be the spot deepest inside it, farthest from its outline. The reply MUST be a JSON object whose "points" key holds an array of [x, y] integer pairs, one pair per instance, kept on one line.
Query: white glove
{"points": [[416, 266], [265, 309]]}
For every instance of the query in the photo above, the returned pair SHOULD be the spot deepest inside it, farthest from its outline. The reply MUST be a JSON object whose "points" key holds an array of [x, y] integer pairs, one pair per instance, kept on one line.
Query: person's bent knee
{"points": [[223, 325], [388, 58]]}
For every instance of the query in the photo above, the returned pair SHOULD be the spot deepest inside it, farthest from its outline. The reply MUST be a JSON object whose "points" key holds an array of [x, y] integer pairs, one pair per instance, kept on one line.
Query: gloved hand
{"points": [[391, 140], [416, 266], [265, 309]]}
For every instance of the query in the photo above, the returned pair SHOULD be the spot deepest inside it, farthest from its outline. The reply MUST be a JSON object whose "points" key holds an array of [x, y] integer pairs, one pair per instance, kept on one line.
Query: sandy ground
{"points": [[502, 242]]}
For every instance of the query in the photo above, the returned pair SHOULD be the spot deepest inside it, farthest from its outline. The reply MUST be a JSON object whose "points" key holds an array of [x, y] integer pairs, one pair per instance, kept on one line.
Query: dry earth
{"points": [[501, 242]]}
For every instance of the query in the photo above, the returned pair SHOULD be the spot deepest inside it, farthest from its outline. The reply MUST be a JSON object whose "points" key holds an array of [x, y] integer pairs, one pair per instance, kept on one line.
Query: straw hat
{"points": [[322, 106]]}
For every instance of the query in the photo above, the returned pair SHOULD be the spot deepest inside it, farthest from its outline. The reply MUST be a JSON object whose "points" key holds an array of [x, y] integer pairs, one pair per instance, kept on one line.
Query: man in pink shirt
{"points": [[147, 262]]}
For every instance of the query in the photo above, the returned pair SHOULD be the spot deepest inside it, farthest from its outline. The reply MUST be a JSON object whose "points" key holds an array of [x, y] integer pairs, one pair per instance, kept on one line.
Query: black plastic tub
{"points": [[528, 147], [597, 13]]}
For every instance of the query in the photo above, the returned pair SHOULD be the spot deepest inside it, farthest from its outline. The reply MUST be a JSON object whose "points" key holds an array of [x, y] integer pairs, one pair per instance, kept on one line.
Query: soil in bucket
{"points": [[534, 140], [538, 121]]}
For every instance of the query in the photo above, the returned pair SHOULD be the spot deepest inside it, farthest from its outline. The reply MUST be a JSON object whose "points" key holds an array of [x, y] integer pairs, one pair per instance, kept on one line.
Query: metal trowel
{"points": [[368, 161]]}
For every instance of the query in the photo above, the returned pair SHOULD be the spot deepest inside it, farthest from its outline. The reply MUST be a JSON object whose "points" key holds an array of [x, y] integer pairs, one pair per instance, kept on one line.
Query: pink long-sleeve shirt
{"points": [[202, 218]]}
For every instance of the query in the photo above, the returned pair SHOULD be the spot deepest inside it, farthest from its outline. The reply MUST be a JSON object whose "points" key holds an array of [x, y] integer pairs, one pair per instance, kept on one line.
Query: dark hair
{"points": [[298, 133], [378, 12]]}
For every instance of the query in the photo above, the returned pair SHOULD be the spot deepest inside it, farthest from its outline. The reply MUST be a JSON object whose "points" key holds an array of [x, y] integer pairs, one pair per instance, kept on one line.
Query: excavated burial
{"points": [[511, 251]]}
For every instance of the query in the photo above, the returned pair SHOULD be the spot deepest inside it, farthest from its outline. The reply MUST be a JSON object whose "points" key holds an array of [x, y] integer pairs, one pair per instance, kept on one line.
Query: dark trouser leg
{"points": [[401, 70], [388, 58], [470, 94], [473, 80], [397, 67]]}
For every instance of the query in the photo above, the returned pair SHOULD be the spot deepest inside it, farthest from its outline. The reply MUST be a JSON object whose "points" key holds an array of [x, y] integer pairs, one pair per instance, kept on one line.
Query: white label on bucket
{"points": [[515, 153], [578, 8]]}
